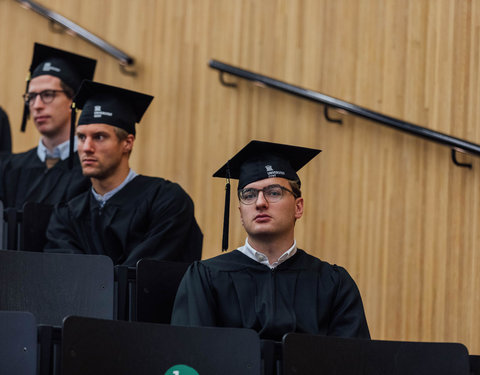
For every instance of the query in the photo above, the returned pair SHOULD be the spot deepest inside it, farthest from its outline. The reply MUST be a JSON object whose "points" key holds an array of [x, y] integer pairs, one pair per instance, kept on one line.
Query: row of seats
{"points": [[52, 286], [71, 314], [97, 347]]}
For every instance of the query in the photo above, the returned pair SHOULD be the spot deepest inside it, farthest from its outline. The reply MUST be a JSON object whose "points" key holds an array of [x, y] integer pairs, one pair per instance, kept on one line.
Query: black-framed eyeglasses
{"points": [[46, 96], [271, 193]]}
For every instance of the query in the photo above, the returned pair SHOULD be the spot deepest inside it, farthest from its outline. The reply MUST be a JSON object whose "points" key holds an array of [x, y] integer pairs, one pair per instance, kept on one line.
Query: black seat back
{"points": [[98, 347], [157, 284], [309, 354], [34, 226], [18, 343], [52, 286]]}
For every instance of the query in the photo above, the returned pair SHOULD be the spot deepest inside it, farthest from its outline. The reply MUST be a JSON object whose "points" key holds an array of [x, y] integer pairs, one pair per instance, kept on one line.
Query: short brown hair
{"points": [[121, 133], [69, 92], [295, 185]]}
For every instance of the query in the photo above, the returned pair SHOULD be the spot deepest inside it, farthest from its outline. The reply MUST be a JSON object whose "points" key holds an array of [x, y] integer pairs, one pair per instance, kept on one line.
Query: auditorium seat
{"points": [[12, 221], [18, 343], [52, 286], [157, 284], [474, 364], [2, 227], [34, 226], [308, 354], [98, 347], [25, 229], [146, 293]]}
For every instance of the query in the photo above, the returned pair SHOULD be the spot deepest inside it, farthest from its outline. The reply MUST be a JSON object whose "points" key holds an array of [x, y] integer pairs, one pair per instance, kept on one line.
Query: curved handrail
{"points": [[445, 139], [75, 29]]}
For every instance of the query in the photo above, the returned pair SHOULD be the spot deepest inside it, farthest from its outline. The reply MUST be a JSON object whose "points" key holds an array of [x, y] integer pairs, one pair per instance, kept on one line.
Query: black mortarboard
{"points": [[69, 67], [104, 104], [260, 160]]}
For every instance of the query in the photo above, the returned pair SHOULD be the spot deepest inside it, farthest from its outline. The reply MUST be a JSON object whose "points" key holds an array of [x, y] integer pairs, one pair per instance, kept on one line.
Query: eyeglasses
{"points": [[47, 96], [271, 193]]}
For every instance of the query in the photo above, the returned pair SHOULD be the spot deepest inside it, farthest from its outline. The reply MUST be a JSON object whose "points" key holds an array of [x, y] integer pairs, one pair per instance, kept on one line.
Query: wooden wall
{"points": [[391, 208]]}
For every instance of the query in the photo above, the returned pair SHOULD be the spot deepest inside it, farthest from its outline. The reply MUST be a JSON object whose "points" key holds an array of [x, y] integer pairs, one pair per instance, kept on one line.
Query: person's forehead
{"points": [[44, 82], [260, 184], [95, 128]]}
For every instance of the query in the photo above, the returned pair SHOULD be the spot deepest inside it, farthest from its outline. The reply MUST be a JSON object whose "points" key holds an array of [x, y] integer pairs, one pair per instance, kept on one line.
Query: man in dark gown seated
{"points": [[269, 284], [42, 174], [125, 215]]}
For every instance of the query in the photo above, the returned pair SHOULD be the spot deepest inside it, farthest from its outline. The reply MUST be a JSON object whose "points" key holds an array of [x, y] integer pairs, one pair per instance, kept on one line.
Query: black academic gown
{"points": [[25, 178], [302, 294], [148, 218]]}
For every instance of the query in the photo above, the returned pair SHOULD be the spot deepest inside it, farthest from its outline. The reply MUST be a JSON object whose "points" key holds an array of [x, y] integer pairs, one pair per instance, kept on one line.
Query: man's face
{"points": [[264, 219], [53, 118], [100, 150]]}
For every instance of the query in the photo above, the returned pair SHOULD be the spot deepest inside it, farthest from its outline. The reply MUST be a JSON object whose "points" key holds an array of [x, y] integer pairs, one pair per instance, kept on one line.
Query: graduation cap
{"points": [[104, 104], [69, 67], [259, 160]]}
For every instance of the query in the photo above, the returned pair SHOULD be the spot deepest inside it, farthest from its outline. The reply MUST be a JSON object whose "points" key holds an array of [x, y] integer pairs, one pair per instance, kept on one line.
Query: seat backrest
{"points": [[18, 343], [12, 222], [97, 346], [157, 284], [308, 354], [34, 226], [52, 286], [474, 364], [2, 227]]}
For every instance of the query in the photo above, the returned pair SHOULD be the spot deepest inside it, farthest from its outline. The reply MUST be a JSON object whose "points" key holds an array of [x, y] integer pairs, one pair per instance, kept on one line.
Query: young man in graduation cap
{"points": [[124, 215], [42, 174], [269, 284]]}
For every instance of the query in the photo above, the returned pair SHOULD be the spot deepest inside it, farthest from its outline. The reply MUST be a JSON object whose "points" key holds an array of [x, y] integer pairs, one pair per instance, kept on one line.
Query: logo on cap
{"points": [[97, 112], [48, 66], [272, 173]]}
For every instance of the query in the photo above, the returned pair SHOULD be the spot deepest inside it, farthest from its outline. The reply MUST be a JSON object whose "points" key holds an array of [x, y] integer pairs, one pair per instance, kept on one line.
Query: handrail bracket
{"points": [[225, 83], [330, 119], [457, 163]]}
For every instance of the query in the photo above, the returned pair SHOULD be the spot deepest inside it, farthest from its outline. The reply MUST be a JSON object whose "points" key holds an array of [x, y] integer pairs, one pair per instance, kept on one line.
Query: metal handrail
{"points": [[456, 144], [75, 29]]}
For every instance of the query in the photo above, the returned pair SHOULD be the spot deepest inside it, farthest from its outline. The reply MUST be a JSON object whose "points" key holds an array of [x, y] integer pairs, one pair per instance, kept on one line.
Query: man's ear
{"points": [[298, 208], [128, 143], [241, 217]]}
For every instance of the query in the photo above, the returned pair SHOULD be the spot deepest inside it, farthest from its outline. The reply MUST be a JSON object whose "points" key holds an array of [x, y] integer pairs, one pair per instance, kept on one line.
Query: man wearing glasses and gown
{"points": [[269, 284]]}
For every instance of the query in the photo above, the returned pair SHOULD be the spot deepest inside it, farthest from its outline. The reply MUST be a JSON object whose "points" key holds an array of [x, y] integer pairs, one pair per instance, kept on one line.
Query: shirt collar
{"points": [[102, 199], [259, 257], [62, 151]]}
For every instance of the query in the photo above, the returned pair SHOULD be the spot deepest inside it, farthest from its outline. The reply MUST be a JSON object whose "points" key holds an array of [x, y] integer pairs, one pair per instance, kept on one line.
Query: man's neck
{"points": [[273, 248], [51, 142], [103, 186]]}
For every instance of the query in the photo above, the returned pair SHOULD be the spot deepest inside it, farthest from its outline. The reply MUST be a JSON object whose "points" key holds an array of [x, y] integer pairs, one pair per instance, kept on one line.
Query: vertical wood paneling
{"points": [[389, 207]]}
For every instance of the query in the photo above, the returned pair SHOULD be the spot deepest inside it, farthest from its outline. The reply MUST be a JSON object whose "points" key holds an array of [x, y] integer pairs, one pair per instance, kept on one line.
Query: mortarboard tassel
{"points": [[26, 115], [26, 109], [73, 118], [226, 214]]}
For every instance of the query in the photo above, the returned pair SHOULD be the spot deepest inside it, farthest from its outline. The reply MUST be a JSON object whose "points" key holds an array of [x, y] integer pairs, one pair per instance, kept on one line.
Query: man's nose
{"points": [[36, 102], [86, 145], [261, 201]]}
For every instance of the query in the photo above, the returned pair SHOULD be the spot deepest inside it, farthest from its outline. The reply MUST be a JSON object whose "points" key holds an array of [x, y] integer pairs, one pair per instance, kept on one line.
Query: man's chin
{"points": [[87, 172], [45, 131]]}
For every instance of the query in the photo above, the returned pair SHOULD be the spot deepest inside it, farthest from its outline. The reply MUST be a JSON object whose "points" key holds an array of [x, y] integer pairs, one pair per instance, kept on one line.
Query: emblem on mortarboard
{"points": [[48, 67], [272, 173], [97, 112]]}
